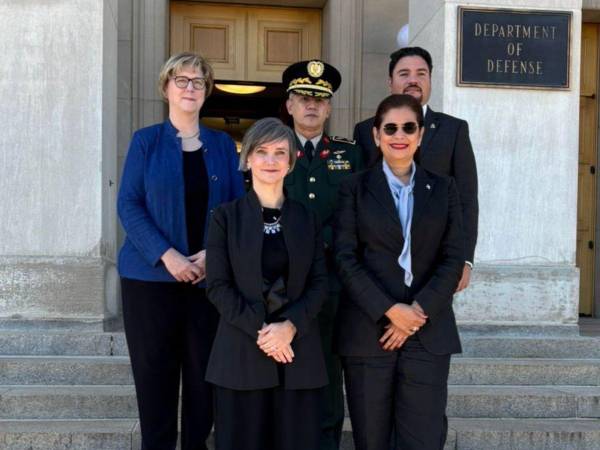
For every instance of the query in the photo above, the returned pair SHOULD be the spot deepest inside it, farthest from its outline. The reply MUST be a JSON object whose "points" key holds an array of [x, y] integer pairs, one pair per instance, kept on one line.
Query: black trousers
{"points": [[267, 419], [405, 392], [332, 395], [170, 328]]}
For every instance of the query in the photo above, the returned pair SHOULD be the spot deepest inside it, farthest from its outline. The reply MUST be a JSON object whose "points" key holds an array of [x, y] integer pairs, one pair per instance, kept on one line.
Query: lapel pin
{"points": [[432, 125], [428, 186]]}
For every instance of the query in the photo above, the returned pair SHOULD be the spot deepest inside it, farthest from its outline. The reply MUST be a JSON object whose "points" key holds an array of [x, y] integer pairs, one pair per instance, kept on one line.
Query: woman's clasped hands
{"points": [[405, 320], [275, 339], [188, 269]]}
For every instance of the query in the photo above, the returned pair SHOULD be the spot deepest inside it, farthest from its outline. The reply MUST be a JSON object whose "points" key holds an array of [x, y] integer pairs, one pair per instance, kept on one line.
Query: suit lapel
{"points": [[294, 236], [302, 160], [431, 127], [317, 161], [251, 239], [378, 186], [421, 194]]}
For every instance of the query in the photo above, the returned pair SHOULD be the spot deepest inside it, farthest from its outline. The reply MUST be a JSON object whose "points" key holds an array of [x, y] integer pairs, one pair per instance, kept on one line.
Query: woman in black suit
{"points": [[399, 252], [266, 276]]}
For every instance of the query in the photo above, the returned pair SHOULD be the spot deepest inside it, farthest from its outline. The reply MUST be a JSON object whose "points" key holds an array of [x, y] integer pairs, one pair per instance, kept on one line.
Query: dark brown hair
{"points": [[409, 51], [395, 101]]}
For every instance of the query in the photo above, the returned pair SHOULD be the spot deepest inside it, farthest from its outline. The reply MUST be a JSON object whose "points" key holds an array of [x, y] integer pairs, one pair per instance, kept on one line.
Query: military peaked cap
{"points": [[313, 78]]}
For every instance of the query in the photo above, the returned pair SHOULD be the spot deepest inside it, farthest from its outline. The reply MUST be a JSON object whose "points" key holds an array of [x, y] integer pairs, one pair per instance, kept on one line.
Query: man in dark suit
{"points": [[323, 162], [446, 147]]}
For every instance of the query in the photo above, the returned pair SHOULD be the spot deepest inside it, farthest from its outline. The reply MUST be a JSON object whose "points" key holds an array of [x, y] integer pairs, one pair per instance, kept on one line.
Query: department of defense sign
{"points": [[513, 48]]}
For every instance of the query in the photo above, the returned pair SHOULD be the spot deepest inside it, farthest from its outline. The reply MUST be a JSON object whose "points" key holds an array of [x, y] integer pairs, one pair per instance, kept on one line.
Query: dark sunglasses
{"points": [[407, 128]]}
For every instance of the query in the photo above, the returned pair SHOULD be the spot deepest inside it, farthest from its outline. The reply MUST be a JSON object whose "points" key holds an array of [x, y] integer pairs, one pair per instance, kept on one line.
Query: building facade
{"points": [[79, 76]]}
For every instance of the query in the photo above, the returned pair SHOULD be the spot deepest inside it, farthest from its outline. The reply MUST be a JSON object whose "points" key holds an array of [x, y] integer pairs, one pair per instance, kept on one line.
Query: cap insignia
{"points": [[315, 68]]}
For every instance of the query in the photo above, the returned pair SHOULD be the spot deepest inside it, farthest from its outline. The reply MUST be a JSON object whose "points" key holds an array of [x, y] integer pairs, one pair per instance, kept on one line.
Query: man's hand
{"points": [[465, 279]]}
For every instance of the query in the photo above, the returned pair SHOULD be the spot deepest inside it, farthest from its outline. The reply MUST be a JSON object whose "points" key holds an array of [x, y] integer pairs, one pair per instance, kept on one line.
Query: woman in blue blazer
{"points": [[175, 175]]}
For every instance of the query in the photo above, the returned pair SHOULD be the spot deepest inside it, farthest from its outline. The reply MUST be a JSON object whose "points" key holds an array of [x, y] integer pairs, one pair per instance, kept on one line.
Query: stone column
{"points": [[382, 19], [526, 145], [58, 160], [150, 50], [342, 44]]}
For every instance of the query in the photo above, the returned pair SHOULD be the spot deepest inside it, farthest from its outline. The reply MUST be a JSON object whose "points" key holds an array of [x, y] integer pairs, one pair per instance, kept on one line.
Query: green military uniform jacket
{"points": [[315, 183]]}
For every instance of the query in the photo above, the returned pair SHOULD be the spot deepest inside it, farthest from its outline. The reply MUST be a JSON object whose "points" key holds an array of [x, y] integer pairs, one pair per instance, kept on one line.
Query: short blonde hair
{"points": [[177, 62], [264, 131]]}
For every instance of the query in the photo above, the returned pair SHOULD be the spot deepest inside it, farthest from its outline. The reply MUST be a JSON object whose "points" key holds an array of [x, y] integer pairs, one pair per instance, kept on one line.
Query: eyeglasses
{"points": [[183, 82], [408, 128]]}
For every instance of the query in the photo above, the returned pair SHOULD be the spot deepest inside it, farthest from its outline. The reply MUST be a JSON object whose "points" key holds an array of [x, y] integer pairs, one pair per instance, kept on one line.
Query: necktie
{"points": [[402, 196], [309, 149]]}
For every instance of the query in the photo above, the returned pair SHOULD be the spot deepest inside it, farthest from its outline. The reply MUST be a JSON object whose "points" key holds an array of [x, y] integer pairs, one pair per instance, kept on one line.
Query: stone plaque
{"points": [[513, 48]]}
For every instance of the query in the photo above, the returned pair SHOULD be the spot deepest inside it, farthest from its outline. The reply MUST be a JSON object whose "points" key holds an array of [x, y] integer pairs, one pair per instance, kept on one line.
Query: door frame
{"points": [[341, 46], [593, 16], [596, 300]]}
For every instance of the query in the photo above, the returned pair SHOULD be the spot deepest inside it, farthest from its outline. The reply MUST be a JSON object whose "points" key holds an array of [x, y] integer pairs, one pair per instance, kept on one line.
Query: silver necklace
{"points": [[196, 134], [273, 227]]}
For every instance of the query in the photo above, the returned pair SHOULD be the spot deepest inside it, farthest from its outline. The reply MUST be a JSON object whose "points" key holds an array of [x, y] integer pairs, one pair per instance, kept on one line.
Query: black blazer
{"points": [[445, 150], [234, 286], [369, 240]]}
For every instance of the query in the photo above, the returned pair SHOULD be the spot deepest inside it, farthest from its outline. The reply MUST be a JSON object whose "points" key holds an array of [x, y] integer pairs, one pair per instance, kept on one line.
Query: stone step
{"points": [[530, 347], [526, 434], [108, 434], [463, 434], [49, 370], [68, 435], [525, 371], [115, 402], [64, 370], [62, 343], [524, 402], [104, 344], [68, 402]]}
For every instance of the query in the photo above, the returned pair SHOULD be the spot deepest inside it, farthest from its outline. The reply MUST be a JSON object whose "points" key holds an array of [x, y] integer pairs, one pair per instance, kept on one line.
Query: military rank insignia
{"points": [[338, 164], [342, 139]]}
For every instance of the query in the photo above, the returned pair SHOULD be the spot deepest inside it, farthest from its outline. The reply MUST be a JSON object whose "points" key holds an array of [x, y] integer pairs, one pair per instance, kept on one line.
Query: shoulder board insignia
{"points": [[342, 139]]}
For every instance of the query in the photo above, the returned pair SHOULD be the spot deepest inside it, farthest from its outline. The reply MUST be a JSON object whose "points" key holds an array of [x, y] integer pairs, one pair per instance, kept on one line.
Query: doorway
{"points": [[587, 197], [248, 47]]}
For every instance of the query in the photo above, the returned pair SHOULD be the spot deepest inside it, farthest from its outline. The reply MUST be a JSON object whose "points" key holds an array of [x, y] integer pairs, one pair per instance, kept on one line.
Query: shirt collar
{"points": [[394, 181], [314, 140], [424, 110]]}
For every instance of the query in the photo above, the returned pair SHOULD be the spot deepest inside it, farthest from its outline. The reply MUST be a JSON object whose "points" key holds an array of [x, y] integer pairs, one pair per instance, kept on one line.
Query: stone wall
{"points": [[527, 158], [57, 159]]}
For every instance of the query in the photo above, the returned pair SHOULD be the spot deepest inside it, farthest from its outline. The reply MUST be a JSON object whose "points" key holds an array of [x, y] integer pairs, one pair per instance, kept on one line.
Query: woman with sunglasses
{"points": [[399, 253], [175, 174]]}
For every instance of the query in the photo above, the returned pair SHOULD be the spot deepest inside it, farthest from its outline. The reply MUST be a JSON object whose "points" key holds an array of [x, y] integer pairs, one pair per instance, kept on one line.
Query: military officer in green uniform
{"points": [[323, 162]]}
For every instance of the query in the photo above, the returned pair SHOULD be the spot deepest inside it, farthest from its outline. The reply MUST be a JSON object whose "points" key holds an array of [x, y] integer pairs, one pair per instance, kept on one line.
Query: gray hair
{"points": [[264, 131]]}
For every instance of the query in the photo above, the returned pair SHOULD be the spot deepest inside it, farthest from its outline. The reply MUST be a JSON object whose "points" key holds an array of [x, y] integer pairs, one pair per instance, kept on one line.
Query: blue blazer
{"points": [[151, 202]]}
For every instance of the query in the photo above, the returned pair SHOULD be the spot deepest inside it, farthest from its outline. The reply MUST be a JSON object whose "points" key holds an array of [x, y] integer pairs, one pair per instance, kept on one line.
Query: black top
{"points": [[275, 259], [235, 286], [196, 198]]}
